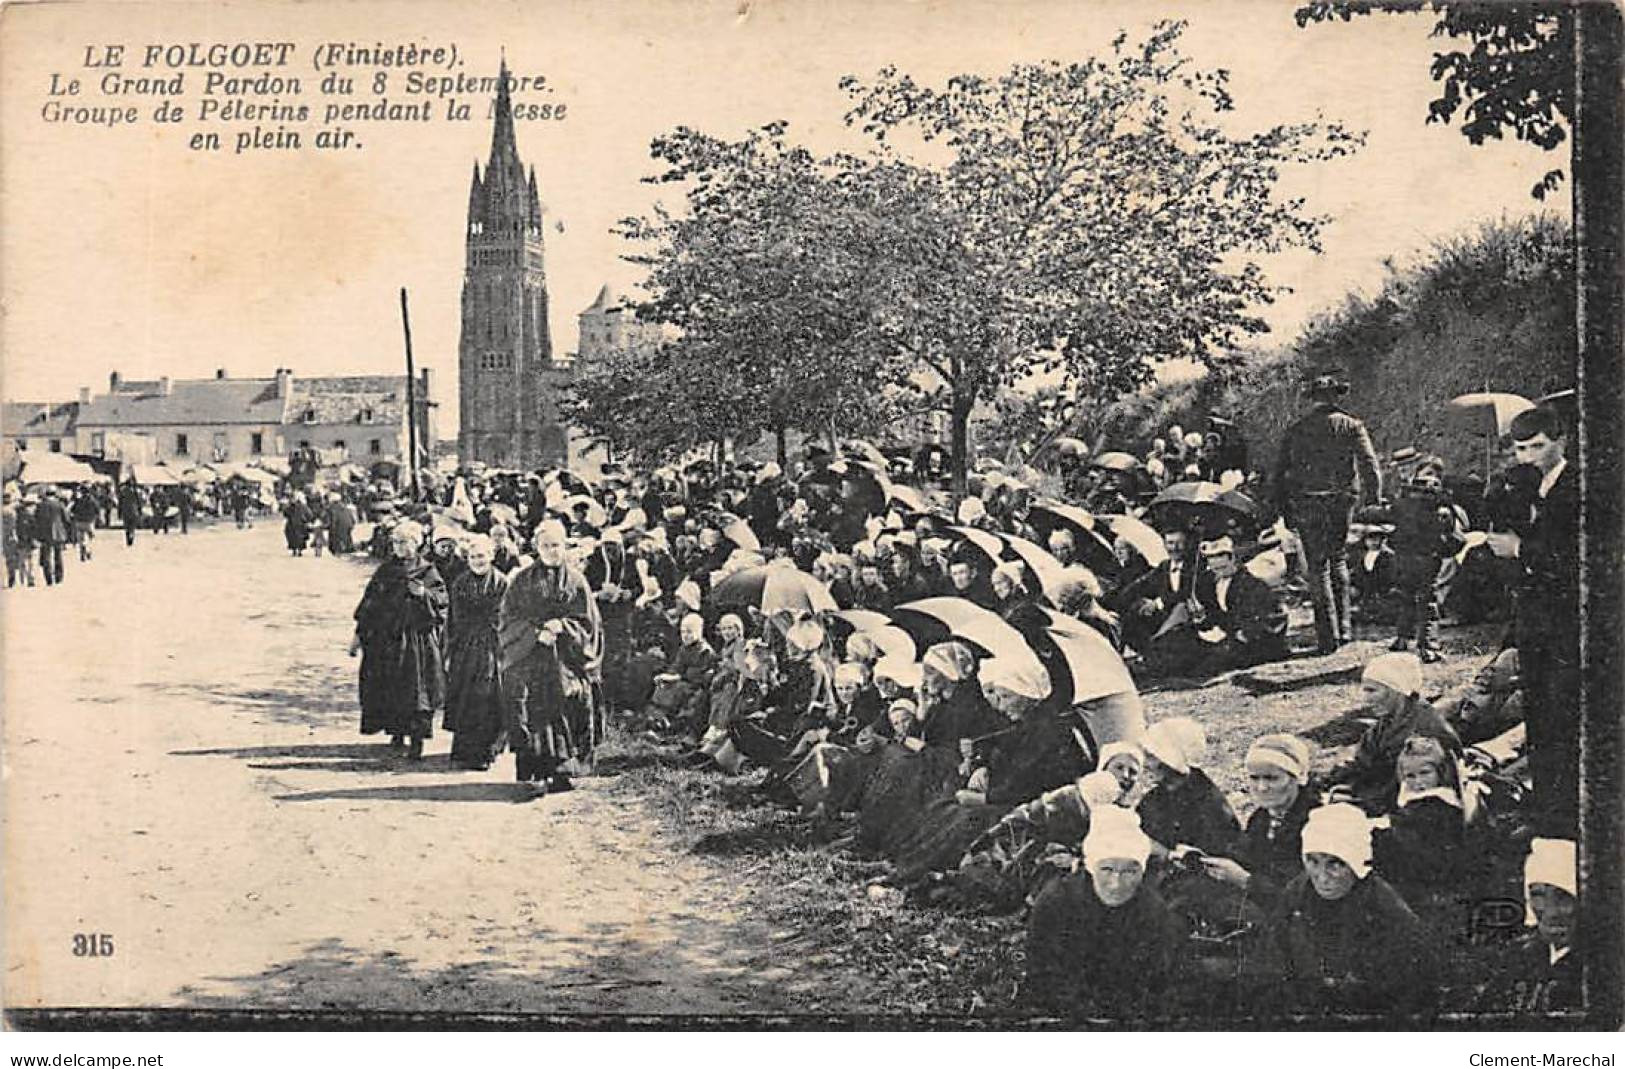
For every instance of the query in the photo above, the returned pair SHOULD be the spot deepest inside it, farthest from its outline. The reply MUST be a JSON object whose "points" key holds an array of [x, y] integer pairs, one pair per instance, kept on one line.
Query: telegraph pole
{"points": [[411, 401]]}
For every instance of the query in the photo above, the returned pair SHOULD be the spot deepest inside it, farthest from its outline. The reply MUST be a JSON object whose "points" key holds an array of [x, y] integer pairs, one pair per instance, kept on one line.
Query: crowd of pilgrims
{"points": [[957, 690]]}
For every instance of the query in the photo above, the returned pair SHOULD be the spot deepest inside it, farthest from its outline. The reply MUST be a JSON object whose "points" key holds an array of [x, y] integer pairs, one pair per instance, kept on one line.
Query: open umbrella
{"points": [[774, 588], [986, 541], [862, 450], [926, 619], [893, 641], [1118, 717], [1115, 461], [863, 483], [1095, 670], [1203, 502], [1488, 413], [1040, 561], [1566, 402], [864, 619], [1239, 503], [1094, 551], [739, 533], [908, 497], [1138, 534]]}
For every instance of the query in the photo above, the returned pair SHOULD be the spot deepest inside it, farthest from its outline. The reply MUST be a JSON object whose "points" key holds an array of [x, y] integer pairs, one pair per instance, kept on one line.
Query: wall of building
{"points": [[357, 439], [42, 442], [235, 442]]}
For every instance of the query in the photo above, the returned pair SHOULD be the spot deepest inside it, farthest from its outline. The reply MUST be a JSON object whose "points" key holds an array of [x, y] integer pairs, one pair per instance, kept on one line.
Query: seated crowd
{"points": [[956, 692]]}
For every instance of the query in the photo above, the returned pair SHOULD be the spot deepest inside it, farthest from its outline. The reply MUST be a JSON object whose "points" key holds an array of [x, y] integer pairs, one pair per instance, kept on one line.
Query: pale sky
{"points": [[124, 249]]}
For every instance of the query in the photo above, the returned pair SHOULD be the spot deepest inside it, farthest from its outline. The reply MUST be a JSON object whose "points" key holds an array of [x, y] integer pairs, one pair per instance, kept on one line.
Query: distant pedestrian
{"points": [[239, 504], [14, 521], [297, 519], [86, 509], [52, 528], [1326, 464], [340, 526], [129, 509], [163, 509]]}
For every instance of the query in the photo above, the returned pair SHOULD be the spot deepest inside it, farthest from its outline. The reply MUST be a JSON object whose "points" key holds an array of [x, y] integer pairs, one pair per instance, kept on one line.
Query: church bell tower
{"points": [[507, 379]]}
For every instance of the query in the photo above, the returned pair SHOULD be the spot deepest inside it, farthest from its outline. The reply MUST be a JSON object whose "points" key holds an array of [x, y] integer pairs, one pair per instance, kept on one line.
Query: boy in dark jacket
{"points": [[1429, 529]]}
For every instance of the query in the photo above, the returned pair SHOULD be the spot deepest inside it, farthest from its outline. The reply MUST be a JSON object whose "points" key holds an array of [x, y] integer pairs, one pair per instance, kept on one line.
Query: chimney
{"points": [[163, 385], [219, 372], [113, 382], [284, 382], [423, 391], [84, 395]]}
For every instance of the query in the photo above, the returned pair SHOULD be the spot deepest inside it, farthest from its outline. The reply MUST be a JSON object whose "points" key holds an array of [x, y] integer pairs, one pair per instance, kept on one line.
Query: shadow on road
{"points": [[603, 970], [419, 792], [315, 695], [351, 750]]}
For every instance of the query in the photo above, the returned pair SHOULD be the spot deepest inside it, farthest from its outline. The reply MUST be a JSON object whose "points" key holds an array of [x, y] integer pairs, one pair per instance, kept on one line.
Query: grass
{"points": [[901, 958], [897, 959]]}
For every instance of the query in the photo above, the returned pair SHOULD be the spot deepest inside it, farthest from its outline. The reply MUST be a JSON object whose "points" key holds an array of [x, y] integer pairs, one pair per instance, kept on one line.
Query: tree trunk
{"points": [[959, 439], [783, 447]]}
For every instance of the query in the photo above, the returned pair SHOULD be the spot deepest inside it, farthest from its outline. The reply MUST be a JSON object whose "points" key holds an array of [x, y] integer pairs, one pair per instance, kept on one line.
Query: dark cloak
{"points": [[552, 692], [474, 707], [399, 622]]}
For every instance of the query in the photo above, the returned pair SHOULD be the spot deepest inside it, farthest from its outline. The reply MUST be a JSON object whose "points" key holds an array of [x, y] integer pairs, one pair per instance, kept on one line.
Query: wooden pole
{"points": [[411, 401]]}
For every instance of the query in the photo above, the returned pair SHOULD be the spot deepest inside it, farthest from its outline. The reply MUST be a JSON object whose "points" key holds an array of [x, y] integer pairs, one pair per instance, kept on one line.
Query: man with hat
{"points": [[1325, 465], [52, 528], [552, 645], [1241, 608], [1546, 623]]}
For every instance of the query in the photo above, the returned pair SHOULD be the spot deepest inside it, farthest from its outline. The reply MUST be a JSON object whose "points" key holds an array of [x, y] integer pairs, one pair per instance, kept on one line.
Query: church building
{"points": [[508, 380]]}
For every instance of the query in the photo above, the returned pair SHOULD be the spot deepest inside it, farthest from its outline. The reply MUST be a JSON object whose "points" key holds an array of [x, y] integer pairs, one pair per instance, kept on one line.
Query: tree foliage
{"points": [[1512, 71], [768, 280], [1078, 223], [1089, 220]]}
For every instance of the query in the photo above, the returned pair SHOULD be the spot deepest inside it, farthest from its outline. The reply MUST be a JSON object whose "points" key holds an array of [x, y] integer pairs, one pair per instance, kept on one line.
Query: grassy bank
{"points": [[904, 959]]}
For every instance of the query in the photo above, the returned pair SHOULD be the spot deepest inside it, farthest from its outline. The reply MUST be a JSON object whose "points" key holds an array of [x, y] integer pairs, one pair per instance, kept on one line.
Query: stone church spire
{"points": [[508, 382], [476, 198]]}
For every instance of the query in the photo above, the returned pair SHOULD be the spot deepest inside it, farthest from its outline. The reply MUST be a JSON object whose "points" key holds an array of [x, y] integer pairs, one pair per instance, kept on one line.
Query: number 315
{"points": [[92, 945]]}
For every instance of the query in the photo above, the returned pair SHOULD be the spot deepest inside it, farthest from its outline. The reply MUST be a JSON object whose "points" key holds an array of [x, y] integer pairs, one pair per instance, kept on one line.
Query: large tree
{"points": [[767, 276], [1085, 220], [1512, 70]]}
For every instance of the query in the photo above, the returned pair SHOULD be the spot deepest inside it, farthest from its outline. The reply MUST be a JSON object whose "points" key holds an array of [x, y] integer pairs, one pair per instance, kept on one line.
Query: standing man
{"points": [[1326, 466], [129, 509], [552, 650], [51, 530], [86, 510], [1546, 621]]}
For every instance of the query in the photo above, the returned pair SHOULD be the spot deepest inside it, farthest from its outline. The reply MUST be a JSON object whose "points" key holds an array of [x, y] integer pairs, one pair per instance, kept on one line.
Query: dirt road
{"points": [[183, 774]]}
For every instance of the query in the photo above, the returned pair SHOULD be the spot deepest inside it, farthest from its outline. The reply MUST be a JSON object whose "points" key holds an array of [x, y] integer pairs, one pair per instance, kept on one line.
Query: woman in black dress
{"points": [[475, 714], [398, 632]]}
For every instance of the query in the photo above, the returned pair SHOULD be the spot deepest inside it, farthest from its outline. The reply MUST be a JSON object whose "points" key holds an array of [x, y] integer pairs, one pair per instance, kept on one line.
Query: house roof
{"points": [[189, 401], [603, 302], [37, 418], [205, 402], [344, 398]]}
